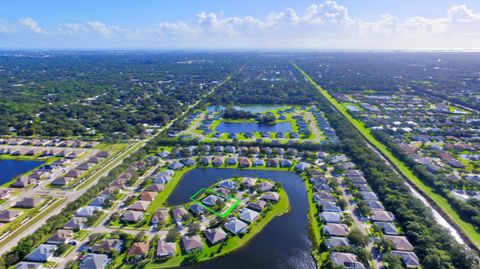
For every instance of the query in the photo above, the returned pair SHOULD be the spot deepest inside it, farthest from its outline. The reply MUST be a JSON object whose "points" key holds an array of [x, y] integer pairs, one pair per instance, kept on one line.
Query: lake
{"points": [[11, 168], [259, 108], [234, 127], [283, 243]]}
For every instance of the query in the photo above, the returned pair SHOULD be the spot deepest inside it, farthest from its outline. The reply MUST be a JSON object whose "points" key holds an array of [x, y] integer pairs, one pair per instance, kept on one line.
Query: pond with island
{"points": [[234, 127], [283, 243], [12, 168]]}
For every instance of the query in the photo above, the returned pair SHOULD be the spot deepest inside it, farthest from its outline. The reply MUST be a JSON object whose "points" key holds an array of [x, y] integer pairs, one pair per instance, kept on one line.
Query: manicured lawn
{"points": [[441, 203]]}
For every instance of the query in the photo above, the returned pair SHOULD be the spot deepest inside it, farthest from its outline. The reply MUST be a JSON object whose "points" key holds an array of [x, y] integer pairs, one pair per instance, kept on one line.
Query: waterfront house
{"points": [[215, 236], [192, 243], [236, 226], [166, 249]]}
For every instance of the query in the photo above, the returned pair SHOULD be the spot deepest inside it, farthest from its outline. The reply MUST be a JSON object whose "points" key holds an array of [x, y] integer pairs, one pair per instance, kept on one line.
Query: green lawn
{"points": [[440, 202]]}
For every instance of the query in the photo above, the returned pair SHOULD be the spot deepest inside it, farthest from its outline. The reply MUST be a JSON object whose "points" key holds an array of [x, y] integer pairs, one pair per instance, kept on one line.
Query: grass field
{"points": [[441, 203]]}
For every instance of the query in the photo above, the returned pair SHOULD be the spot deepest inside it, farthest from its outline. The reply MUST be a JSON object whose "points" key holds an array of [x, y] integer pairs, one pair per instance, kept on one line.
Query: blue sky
{"points": [[349, 24]]}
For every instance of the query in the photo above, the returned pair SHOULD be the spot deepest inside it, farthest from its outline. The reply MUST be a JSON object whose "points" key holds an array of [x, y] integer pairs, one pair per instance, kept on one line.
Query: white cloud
{"points": [[31, 24], [324, 25], [7, 28]]}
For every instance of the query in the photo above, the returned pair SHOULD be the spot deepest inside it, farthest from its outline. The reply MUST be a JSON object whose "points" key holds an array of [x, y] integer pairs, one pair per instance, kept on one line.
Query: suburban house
{"points": [[236, 226], [228, 184], [107, 245], [166, 249], [265, 186], [387, 227], [335, 229], [42, 253], [347, 260], [330, 217], [61, 237], [132, 216], [197, 209], [155, 188], [212, 200], [28, 202], [9, 215], [215, 235], [76, 223], [28, 265], [409, 258], [176, 166], [179, 213], [338, 242], [248, 215], [138, 250], [217, 161], [258, 205], [87, 211], [160, 215], [400, 242], [192, 243], [148, 196], [139, 206], [94, 261], [270, 196], [384, 216]]}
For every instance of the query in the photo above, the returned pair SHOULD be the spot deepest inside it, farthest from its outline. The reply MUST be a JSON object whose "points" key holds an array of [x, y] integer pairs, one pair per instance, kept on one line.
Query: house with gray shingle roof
{"points": [[335, 229], [197, 209], [166, 249], [270, 196], [132, 216], [384, 216], [215, 236], [94, 261], [192, 243], [28, 265], [176, 166], [212, 200], [338, 242], [60, 237], [248, 215], [347, 260], [228, 184], [258, 205], [236, 226], [387, 227], [400, 242], [330, 217], [409, 258], [9, 215], [42, 253]]}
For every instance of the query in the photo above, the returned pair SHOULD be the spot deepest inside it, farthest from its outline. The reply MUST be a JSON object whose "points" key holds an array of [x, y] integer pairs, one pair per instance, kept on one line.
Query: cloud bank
{"points": [[327, 25]]}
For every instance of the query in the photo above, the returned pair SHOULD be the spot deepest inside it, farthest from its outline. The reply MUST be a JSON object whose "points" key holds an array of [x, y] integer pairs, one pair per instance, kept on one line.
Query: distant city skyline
{"points": [[266, 24]]}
